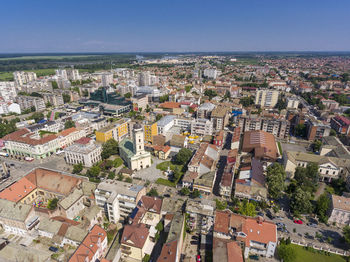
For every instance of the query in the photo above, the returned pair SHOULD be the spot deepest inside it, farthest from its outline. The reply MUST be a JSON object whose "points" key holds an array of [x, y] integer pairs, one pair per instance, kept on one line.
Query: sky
{"points": [[174, 25]]}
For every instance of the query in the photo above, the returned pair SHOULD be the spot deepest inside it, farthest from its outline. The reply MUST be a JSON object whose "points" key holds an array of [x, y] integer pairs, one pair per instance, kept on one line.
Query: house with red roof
{"points": [[255, 235]]}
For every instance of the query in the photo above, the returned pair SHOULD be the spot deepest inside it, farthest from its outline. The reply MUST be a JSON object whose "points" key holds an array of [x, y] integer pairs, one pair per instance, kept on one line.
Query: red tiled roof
{"points": [[25, 136], [83, 140], [18, 190], [135, 235]]}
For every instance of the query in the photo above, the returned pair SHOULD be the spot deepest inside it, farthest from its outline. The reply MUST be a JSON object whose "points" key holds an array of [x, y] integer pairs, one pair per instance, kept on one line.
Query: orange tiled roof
{"points": [[18, 190]]}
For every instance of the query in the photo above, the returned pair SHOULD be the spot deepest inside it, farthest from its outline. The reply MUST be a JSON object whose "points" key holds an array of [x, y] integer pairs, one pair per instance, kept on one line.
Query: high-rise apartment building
{"points": [[266, 98]]}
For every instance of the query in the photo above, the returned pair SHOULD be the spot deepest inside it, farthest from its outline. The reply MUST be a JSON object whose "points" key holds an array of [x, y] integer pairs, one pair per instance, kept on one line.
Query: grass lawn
{"points": [[164, 166], [280, 147], [305, 255]]}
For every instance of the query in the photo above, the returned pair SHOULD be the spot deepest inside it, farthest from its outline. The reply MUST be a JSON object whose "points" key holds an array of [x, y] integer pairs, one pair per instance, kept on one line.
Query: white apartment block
{"points": [[266, 97], [8, 91], [106, 79], [210, 73], [8, 107], [61, 73], [118, 198], [26, 102], [73, 74], [85, 153], [201, 127], [21, 77], [292, 102]]}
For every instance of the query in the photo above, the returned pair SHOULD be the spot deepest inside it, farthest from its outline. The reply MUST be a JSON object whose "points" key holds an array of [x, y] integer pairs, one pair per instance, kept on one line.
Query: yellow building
{"points": [[118, 130], [150, 130]]}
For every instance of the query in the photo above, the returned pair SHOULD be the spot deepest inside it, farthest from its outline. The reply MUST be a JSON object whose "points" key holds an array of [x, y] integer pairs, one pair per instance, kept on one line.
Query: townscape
{"points": [[185, 158]]}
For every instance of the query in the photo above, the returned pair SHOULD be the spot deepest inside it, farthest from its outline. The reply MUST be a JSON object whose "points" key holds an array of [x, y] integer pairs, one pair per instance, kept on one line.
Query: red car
{"points": [[198, 258], [298, 221]]}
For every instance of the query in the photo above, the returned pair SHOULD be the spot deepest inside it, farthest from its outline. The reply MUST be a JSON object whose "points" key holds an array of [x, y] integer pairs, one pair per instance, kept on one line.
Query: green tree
{"points": [[127, 95], [346, 233], [128, 179], [183, 156], [69, 124], [158, 117], [220, 205], [307, 178], [54, 85], [164, 98], [246, 101], [188, 88], [37, 116], [300, 130], [332, 132], [286, 253], [185, 191], [160, 226], [7, 127], [77, 168], [210, 93], [52, 203], [66, 98], [153, 192], [281, 104], [322, 207], [94, 171], [300, 202], [247, 208], [317, 145], [111, 175], [275, 180], [109, 148], [195, 193]]}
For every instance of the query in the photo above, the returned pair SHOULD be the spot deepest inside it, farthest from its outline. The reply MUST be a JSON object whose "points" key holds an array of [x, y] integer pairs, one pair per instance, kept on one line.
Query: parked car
{"points": [[280, 224], [312, 224], [198, 258], [279, 218], [195, 237], [260, 214], [194, 242], [53, 249], [166, 195], [298, 221]]}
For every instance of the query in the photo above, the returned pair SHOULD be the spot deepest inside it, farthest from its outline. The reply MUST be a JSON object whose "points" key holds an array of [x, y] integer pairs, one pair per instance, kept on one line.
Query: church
{"points": [[133, 152]]}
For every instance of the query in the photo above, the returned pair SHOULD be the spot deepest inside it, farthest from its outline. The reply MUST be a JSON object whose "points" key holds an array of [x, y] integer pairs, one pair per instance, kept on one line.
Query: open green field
{"points": [[304, 255], [44, 57]]}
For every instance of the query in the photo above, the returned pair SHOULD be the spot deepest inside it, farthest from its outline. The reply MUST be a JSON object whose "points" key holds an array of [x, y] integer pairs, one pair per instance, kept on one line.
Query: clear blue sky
{"points": [[174, 25]]}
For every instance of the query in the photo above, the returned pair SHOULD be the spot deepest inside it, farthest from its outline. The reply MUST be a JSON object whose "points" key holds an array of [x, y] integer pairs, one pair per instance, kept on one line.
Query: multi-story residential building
{"points": [[201, 126], [171, 250], [183, 123], [266, 97], [202, 162], [26, 102], [278, 127], [330, 104], [341, 124], [150, 130], [68, 136], [83, 151], [106, 79], [23, 143], [54, 99], [73, 74], [292, 102], [61, 73], [210, 73], [317, 130], [17, 218], [8, 107], [93, 247], [219, 117], [21, 77], [139, 102], [135, 242], [8, 91], [204, 110], [118, 198], [165, 123], [118, 131], [254, 235], [339, 210]]}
